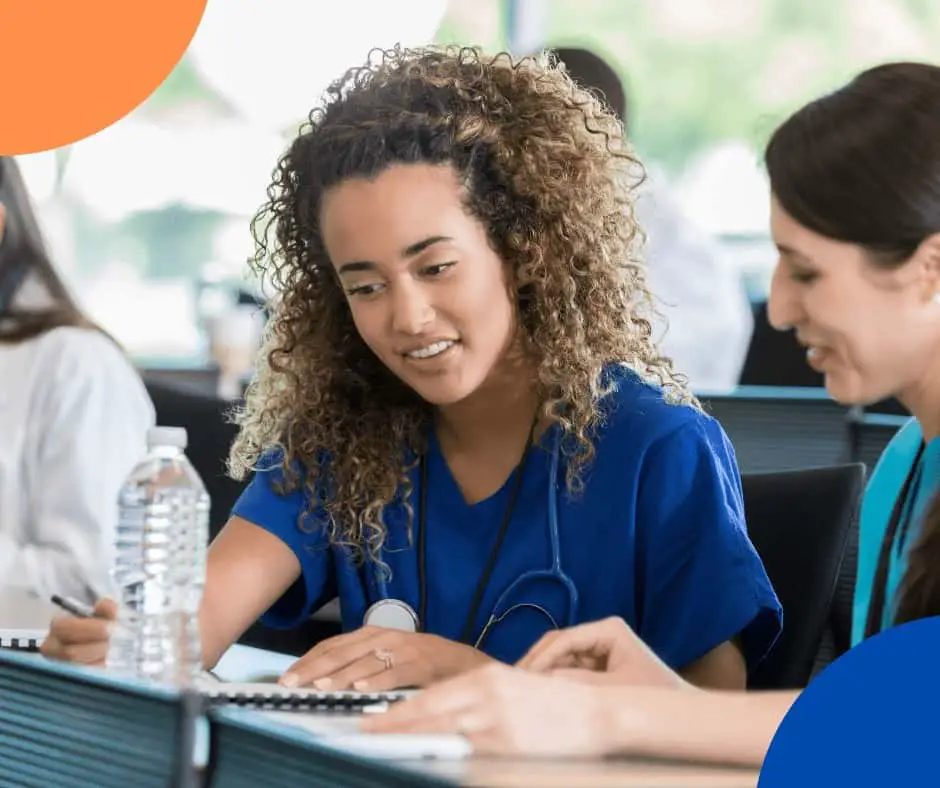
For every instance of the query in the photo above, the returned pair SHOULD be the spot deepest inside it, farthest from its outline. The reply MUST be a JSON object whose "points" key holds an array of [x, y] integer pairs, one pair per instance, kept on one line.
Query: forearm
{"points": [[693, 724], [247, 570]]}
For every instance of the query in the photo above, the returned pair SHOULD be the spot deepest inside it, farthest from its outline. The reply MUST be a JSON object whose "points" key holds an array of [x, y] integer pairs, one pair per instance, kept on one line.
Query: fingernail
{"points": [[360, 685], [289, 680], [324, 683]]}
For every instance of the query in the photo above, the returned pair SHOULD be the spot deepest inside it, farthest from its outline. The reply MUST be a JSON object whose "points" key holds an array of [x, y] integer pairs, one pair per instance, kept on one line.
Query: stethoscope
{"points": [[396, 614]]}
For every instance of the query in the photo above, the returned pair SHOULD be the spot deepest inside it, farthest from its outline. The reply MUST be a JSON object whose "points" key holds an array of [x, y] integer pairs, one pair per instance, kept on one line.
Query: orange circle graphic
{"points": [[70, 69]]}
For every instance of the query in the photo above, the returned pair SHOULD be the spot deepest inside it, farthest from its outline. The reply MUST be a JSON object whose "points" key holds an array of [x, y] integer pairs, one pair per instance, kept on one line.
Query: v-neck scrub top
{"points": [[656, 536]]}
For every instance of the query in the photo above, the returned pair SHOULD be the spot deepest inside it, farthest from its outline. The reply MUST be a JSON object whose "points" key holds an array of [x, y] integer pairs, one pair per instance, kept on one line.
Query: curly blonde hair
{"points": [[545, 169]]}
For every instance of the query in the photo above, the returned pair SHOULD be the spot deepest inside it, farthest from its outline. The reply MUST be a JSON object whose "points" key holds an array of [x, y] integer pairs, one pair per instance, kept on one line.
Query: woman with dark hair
{"points": [[73, 422], [856, 219], [855, 215]]}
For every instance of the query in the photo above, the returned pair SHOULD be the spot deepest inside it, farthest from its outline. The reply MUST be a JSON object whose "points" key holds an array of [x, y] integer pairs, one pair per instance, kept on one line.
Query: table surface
{"points": [[615, 773], [244, 663]]}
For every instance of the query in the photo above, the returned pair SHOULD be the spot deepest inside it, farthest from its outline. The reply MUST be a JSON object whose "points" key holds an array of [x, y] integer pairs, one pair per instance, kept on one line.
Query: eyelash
{"points": [[362, 290], [368, 290], [442, 267], [804, 277]]}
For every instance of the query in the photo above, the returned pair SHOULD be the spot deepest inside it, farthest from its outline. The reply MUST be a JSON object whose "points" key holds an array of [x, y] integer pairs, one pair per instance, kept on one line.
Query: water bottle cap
{"points": [[167, 436]]}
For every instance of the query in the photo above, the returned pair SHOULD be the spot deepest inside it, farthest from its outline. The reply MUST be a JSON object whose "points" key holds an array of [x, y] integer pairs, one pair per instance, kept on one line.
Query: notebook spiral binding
{"points": [[22, 639], [301, 700]]}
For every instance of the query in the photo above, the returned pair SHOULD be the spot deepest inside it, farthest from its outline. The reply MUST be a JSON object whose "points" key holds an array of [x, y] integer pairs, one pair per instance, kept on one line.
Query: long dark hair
{"points": [[862, 165], [23, 254]]}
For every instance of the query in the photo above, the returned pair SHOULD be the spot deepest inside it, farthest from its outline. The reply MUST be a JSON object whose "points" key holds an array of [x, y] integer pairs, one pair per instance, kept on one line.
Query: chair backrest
{"points": [[869, 433], [775, 429], [249, 750], [837, 637], [800, 522], [63, 725], [775, 358], [210, 438]]}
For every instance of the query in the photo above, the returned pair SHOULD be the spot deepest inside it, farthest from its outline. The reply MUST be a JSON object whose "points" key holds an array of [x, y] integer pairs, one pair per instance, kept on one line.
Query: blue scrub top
{"points": [[656, 536], [881, 493]]}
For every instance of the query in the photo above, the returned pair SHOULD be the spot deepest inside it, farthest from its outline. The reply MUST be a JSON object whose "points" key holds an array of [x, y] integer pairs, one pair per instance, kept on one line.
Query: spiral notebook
{"points": [[275, 697], [22, 639], [252, 695]]}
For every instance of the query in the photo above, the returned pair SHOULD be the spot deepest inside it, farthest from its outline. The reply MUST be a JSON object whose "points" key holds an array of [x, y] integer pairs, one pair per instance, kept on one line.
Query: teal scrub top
{"points": [[881, 494]]}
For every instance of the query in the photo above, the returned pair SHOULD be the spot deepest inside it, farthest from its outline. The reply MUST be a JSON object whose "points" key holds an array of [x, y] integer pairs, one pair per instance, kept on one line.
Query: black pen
{"points": [[73, 606]]}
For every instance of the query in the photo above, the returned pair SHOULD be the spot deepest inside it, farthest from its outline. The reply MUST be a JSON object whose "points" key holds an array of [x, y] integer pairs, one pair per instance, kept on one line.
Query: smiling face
{"points": [[427, 292], [872, 331]]}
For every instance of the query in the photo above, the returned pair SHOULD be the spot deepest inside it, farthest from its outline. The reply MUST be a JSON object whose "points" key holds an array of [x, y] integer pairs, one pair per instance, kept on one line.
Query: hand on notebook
{"points": [[83, 640], [604, 652], [506, 711], [373, 659]]}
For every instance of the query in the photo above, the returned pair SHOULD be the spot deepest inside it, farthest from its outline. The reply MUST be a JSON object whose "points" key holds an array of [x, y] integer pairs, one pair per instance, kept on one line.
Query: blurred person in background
{"points": [[708, 317], [73, 421]]}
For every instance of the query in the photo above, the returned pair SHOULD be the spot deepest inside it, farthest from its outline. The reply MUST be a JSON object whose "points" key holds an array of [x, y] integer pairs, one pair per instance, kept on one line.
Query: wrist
{"points": [[650, 721], [462, 659], [477, 658], [618, 722]]}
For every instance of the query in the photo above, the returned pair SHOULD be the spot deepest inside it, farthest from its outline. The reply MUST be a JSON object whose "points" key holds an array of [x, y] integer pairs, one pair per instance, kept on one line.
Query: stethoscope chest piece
{"points": [[391, 614]]}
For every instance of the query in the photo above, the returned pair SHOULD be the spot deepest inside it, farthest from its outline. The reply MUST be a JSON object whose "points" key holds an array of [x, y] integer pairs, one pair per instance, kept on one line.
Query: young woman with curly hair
{"points": [[459, 412]]}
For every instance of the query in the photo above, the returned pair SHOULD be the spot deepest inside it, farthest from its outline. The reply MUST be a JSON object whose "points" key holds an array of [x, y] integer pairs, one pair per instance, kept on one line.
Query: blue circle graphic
{"points": [[871, 718]]}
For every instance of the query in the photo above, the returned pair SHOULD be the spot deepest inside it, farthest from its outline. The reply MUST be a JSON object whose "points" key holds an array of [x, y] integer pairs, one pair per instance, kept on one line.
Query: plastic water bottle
{"points": [[159, 564]]}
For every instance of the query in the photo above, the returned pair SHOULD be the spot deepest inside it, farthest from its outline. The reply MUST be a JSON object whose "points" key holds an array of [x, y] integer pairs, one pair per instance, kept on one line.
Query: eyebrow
{"points": [[791, 252], [409, 251]]}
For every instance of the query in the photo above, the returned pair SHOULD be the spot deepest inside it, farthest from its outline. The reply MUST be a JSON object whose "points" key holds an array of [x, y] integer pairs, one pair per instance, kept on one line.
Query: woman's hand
{"points": [[374, 659], [82, 640], [609, 648], [507, 711]]}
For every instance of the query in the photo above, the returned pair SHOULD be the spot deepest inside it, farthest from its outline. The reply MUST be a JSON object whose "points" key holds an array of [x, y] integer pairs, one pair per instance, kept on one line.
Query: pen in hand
{"points": [[85, 642], [81, 610], [73, 606]]}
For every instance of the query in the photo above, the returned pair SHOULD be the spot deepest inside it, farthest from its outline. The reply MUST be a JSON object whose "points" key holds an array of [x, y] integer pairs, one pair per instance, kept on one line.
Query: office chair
{"points": [[837, 636], [778, 429], [800, 522], [869, 433]]}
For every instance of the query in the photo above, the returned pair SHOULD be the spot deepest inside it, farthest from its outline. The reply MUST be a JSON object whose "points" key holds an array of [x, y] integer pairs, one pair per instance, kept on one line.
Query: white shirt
{"points": [[74, 416], [700, 294]]}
